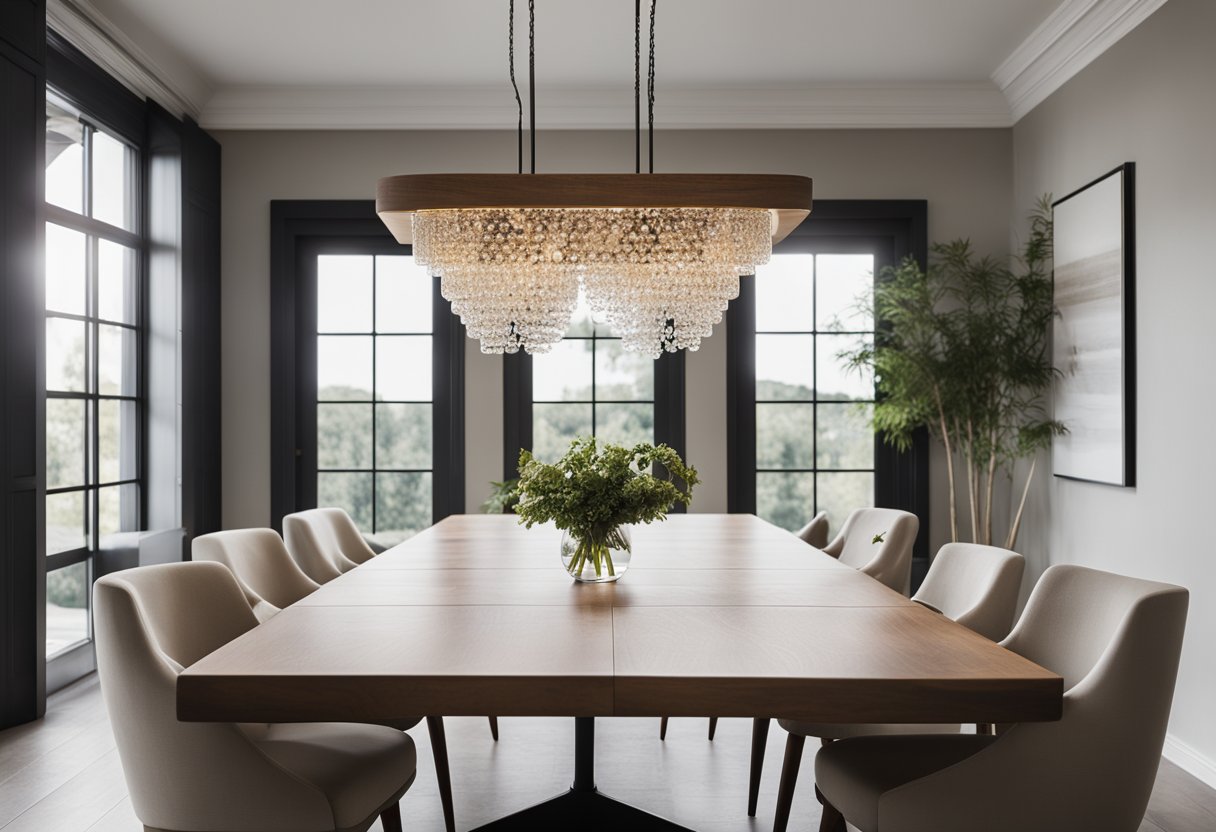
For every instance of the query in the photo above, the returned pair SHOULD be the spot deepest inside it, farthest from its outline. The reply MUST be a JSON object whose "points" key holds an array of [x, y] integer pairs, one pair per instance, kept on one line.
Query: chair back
{"points": [[150, 623], [878, 542], [325, 542], [816, 531], [975, 585], [260, 562]]}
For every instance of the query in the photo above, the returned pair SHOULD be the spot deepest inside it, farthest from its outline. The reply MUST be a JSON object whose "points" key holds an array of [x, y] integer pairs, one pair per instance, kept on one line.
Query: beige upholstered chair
{"points": [[878, 542], [259, 560], [975, 585], [816, 531], [152, 622], [1116, 641], [325, 542]]}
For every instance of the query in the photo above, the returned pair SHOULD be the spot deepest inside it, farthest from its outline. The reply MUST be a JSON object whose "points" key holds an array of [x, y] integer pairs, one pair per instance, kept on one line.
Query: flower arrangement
{"points": [[596, 490]]}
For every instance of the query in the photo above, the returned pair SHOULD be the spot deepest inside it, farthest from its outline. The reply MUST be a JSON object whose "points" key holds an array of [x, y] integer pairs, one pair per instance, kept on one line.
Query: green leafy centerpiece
{"points": [[594, 493]]}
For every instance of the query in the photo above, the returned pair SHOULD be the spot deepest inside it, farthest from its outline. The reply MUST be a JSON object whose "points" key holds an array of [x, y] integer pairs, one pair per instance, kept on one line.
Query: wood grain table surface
{"points": [[722, 615]]}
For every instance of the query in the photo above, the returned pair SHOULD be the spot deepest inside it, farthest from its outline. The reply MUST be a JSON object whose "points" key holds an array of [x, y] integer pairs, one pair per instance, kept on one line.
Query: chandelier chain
{"points": [[532, 78], [637, 86], [519, 104], [650, 88]]}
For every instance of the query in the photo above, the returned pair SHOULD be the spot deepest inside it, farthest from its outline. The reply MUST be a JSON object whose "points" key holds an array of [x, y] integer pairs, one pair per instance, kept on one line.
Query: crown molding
{"points": [[492, 108], [86, 28], [1065, 43]]}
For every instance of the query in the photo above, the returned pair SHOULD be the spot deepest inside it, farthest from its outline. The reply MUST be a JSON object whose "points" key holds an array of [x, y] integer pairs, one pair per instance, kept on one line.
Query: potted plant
{"points": [[595, 493], [962, 350]]}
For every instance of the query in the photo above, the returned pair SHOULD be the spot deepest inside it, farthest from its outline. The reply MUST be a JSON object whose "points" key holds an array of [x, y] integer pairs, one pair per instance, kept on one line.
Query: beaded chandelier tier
{"points": [[658, 256]]}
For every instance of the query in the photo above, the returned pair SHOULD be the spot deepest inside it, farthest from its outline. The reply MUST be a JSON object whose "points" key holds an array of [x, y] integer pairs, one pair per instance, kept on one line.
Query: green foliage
{"points": [[503, 497], [594, 489]]}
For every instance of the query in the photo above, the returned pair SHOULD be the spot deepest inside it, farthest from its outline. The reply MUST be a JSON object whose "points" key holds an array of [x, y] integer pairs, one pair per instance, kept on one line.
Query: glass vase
{"points": [[599, 557]]}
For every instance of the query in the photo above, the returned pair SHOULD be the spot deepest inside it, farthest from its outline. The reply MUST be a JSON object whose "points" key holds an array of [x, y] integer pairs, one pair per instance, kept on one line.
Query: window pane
{"points": [[344, 367], [403, 295], [64, 159], [117, 510], [785, 294], [403, 368], [621, 375], [65, 443], [65, 522], [787, 500], [116, 360], [116, 440], [113, 181], [625, 424], [344, 436], [344, 293], [564, 374], [403, 506], [836, 382], [555, 426], [115, 282], [67, 607], [65, 264], [846, 437], [404, 435], [65, 355], [839, 494], [785, 367], [842, 282], [352, 492], [783, 435]]}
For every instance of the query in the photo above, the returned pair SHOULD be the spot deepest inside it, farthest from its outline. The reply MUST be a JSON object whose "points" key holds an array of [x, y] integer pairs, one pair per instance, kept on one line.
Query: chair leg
{"points": [[789, 778], [713, 727], [439, 748], [663, 729], [759, 741], [831, 820], [390, 818], [494, 728]]}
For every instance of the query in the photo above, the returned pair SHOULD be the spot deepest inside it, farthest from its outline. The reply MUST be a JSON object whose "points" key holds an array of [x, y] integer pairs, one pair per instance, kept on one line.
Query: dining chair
{"points": [[151, 622], [878, 542], [1116, 642], [975, 585], [325, 542], [259, 560], [816, 531]]}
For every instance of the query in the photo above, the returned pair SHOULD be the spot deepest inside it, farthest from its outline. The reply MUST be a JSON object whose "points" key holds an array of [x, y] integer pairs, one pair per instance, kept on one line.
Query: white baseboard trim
{"points": [[1189, 760]]}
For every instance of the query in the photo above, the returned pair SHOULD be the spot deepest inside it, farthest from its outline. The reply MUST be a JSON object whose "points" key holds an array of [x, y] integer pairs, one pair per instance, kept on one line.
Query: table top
{"points": [[718, 615]]}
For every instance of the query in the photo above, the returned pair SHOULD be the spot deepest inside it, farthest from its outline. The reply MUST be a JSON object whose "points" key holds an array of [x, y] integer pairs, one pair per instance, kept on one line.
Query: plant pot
{"points": [[601, 557]]}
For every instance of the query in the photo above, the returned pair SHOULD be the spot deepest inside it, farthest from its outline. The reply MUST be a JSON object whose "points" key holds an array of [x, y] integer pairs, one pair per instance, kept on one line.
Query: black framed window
{"points": [[94, 337], [798, 425], [367, 394]]}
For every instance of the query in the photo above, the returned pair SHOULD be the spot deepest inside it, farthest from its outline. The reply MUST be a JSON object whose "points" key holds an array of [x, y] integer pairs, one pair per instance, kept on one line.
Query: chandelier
{"points": [[658, 256]]}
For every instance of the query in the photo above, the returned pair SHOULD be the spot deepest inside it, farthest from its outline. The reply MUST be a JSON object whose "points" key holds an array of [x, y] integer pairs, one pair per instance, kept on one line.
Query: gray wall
{"points": [[965, 174], [1150, 100]]}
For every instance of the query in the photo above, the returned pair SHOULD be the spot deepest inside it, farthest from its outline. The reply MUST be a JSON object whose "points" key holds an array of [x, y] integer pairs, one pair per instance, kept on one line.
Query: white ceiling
{"points": [[401, 63]]}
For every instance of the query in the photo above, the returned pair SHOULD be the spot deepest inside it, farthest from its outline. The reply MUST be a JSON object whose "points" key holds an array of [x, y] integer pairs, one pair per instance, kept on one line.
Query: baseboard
{"points": [[1189, 760]]}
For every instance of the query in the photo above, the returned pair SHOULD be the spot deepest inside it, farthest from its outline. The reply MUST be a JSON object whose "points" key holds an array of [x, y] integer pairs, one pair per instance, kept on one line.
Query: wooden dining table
{"points": [[718, 615]]}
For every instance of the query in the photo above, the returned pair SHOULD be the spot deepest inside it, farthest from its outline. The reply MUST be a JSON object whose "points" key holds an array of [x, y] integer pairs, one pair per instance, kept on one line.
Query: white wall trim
{"points": [[1189, 760], [487, 108], [86, 28], [1065, 43]]}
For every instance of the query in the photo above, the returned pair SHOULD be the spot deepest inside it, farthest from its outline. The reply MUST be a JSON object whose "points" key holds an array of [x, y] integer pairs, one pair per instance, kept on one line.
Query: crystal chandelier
{"points": [[658, 256]]}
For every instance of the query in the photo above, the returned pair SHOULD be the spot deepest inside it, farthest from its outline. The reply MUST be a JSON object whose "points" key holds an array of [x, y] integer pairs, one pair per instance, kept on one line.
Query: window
{"points": [[814, 443], [93, 358]]}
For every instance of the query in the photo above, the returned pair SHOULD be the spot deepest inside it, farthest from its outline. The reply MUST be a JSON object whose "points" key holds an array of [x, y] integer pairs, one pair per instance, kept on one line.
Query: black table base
{"points": [[582, 807]]}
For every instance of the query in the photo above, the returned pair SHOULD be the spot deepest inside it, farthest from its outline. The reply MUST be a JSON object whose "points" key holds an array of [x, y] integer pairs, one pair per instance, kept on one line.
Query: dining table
{"points": [[718, 615]]}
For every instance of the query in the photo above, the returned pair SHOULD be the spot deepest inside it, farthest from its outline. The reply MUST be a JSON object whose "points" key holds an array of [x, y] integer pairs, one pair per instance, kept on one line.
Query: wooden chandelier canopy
{"points": [[786, 198]]}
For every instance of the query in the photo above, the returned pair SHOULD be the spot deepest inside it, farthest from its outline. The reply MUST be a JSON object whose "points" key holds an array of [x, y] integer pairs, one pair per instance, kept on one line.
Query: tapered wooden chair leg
{"points": [[390, 818], [713, 727], [439, 748], [494, 728], [789, 778], [831, 820], [759, 742], [663, 729]]}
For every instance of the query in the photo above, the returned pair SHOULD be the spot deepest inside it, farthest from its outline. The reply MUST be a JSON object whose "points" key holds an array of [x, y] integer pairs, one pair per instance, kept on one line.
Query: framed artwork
{"points": [[1093, 337]]}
